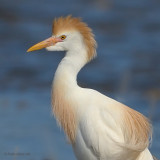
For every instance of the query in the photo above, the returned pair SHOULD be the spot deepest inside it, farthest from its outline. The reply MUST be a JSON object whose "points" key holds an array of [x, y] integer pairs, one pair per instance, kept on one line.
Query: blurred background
{"points": [[127, 69]]}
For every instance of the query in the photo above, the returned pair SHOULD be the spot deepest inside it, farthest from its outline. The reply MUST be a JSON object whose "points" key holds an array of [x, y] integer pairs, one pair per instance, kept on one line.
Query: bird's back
{"points": [[103, 133]]}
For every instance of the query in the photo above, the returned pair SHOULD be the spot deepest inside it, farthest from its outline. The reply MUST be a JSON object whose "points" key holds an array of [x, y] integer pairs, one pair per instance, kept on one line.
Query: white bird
{"points": [[98, 127]]}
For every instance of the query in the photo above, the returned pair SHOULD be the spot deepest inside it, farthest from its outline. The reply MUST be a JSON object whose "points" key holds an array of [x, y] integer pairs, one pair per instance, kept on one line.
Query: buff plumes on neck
{"points": [[64, 110], [70, 23]]}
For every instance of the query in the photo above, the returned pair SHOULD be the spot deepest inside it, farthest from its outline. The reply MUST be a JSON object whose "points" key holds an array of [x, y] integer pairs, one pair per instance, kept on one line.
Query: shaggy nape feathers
{"points": [[69, 23]]}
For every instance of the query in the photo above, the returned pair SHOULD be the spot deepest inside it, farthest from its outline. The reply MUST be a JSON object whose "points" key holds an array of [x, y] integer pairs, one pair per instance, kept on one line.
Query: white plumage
{"points": [[98, 127]]}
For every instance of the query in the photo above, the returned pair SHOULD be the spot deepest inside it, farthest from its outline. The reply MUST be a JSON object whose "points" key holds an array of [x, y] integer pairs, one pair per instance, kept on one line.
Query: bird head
{"points": [[69, 33]]}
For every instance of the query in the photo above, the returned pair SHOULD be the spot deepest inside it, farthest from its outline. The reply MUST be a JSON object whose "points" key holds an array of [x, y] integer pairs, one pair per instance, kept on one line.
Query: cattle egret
{"points": [[98, 127]]}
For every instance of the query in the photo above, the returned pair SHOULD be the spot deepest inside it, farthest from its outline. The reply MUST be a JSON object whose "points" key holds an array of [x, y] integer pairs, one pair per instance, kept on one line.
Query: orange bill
{"points": [[46, 43]]}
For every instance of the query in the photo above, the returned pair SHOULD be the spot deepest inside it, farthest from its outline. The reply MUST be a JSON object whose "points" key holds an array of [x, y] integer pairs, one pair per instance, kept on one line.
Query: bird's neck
{"points": [[69, 67], [64, 88]]}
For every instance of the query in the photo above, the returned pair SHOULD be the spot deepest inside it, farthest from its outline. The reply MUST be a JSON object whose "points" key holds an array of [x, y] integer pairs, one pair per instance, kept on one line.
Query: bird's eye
{"points": [[63, 37]]}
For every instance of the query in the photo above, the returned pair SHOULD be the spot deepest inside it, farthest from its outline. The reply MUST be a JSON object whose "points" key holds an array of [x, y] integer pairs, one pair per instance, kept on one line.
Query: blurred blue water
{"points": [[127, 68]]}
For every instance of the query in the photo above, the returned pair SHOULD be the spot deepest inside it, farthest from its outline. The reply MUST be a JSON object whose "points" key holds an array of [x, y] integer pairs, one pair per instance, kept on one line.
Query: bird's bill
{"points": [[46, 43]]}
